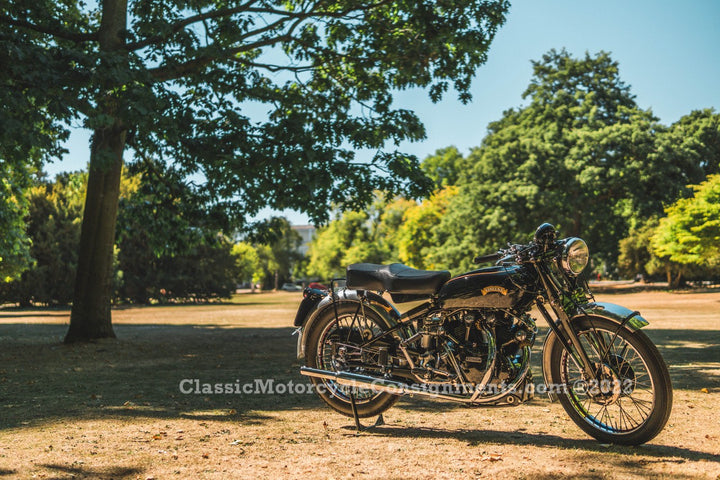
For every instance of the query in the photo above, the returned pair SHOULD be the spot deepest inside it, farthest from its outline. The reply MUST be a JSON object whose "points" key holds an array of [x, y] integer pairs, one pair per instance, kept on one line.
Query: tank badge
{"points": [[494, 289]]}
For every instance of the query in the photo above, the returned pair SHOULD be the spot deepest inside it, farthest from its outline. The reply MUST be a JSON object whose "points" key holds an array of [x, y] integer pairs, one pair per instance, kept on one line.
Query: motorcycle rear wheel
{"points": [[352, 328], [632, 402]]}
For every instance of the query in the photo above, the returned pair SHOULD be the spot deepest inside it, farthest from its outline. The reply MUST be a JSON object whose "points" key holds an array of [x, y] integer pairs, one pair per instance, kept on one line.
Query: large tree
{"points": [[577, 155], [690, 234], [53, 229], [692, 146], [177, 81]]}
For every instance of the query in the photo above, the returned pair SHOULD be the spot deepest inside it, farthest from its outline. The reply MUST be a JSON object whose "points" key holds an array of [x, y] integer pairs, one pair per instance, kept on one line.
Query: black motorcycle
{"points": [[469, 341]]}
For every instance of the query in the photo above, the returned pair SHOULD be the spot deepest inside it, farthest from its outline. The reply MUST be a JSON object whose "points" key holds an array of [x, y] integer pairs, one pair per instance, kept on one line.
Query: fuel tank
{"points": [[492, 287]]}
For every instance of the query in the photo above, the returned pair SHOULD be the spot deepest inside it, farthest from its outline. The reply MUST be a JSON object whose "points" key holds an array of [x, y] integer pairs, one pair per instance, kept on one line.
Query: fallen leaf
{"points": [[493, 457]]}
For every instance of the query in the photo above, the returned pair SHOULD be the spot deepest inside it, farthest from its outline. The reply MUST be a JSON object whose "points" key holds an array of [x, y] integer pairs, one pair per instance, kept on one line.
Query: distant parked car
{"points": [[291, 287], [318, 286]]}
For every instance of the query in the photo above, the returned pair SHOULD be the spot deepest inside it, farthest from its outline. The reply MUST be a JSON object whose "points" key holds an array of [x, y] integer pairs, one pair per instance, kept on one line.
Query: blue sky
{"points": [[668, 52]]}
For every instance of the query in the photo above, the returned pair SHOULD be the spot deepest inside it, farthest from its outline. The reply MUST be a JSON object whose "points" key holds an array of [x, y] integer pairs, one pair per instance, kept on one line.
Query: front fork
{"points": [[569, 340], [564, 331]]}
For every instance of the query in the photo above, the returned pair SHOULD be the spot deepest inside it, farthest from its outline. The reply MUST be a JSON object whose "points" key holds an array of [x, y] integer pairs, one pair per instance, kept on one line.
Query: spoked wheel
{"points": [[333, 346], [630, 399]]}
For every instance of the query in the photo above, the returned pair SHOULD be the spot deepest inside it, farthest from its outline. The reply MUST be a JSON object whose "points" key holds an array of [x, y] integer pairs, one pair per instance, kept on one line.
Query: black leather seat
{"points": [[395, 278]]}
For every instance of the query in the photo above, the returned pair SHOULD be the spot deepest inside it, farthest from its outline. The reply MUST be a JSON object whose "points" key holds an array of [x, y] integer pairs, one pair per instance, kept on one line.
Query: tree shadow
{"points": [[69, 472], [484, 436], [40, 314], [139, 375]]}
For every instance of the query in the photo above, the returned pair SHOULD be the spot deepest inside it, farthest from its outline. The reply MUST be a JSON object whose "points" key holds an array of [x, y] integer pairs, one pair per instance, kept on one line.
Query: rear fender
{"points": [[311, 298], [616, 313], [386, 311]]}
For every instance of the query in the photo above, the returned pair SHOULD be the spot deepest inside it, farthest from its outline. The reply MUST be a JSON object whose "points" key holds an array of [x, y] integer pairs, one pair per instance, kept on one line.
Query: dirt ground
{"points": [[116, 409]]}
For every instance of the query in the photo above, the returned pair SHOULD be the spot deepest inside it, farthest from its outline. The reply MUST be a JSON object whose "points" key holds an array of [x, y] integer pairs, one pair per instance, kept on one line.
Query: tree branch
{"points": [[176, 71], [55, 32], [179, 70], [189, 21], [275, 68], [247, 7]]}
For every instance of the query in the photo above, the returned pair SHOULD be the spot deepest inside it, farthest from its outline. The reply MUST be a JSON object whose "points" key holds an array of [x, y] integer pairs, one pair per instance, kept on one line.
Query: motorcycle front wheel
{"points": [[630, 400], [326, 338]]}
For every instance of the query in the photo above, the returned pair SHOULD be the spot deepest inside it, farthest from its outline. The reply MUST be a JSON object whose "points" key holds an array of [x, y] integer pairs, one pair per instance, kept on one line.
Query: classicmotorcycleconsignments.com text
{"points": [[270, 386]]}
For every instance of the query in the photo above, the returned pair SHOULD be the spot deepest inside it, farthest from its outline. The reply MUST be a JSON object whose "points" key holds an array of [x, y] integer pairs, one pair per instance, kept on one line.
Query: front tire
{"points": [[352, 328], [632, 402]]}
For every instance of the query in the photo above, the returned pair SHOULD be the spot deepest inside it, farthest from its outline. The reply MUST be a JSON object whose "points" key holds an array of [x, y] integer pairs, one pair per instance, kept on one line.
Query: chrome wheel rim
{"points": [[624, 399], [348, 329]]}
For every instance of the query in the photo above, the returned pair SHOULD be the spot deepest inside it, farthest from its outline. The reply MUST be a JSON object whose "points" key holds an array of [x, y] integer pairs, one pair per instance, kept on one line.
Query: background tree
{"points": [[312, 65], [14, 243], [247, 263], [371, 235], [577, 156], [444, 166], [417, 235], [168, 247], [690, 234], [284, 244], [636, 255], [268, 266], [347, 239], [32, 112], [692, 146], [53, 227]]}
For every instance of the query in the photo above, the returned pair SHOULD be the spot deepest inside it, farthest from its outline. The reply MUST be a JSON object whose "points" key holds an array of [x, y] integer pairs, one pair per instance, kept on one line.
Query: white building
{"points": [[307, 232]]}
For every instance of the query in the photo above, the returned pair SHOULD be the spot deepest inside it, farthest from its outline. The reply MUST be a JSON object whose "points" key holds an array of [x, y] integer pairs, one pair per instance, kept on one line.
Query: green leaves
{"points": [[53, 214], [690, 234], [189, 80], [580, 156]]}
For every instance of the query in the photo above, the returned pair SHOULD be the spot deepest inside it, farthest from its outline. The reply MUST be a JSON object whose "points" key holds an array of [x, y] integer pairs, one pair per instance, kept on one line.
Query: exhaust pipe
{"points": [[378, 384]]}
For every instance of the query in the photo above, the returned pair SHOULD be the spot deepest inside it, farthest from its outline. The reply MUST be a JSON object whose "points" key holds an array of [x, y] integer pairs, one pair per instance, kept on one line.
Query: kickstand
{"points": [[360, 427]]}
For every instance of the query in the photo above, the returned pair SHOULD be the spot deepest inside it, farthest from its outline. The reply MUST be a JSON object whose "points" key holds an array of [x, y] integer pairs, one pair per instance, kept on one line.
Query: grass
{"points": [[113, 409]]}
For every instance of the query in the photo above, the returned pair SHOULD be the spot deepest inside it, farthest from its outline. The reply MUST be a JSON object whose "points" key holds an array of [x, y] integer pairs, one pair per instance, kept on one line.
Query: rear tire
{"points": [[354, 328], [633, 403]]}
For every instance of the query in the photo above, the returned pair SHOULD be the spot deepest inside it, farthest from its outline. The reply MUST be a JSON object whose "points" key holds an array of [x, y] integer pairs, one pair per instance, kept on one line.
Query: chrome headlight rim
{"points": [[575, 256]]}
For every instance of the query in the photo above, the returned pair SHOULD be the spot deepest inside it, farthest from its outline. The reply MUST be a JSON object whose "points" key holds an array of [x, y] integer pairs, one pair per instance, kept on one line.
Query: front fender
{"points": [[373, 301], [616, 313]]}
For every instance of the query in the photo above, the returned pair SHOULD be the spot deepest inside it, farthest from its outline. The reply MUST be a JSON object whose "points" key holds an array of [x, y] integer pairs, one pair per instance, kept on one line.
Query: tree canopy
{"points": [[250, 93], [690, 233], [266, 101], [578, 155]]}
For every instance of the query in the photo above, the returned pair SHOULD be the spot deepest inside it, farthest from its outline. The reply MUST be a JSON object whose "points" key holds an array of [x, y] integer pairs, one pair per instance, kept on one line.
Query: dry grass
{"points": [[114, 410]]}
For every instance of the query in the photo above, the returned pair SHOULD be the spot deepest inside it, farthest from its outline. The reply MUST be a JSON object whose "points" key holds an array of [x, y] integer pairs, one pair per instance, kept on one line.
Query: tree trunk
{"points": [[91, 317]]}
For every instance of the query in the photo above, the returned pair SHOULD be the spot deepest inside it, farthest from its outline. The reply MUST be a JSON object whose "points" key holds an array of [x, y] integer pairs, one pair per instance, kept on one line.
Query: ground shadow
{"points": [[140, 374], [484, 436], [63, 472]]}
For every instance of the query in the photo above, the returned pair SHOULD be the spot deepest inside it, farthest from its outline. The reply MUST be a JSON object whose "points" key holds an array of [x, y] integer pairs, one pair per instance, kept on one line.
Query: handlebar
{"points": [[519, 253], [488, 258]]}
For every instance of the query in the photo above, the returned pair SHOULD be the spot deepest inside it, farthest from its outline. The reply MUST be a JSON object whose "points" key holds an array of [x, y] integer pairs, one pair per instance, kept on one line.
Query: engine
{"points": [[469, 340]]}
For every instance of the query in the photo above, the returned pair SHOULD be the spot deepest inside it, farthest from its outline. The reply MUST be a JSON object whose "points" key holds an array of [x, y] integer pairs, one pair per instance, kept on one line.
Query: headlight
{"points": [[575, 256]]}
